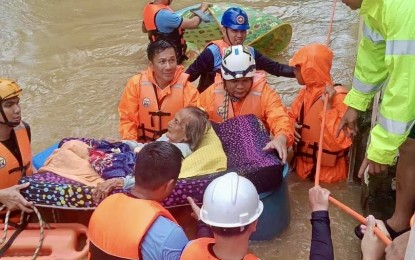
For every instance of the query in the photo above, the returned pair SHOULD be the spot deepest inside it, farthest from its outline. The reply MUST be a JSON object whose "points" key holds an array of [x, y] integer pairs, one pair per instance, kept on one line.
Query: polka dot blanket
{"points": [[242, 138]]}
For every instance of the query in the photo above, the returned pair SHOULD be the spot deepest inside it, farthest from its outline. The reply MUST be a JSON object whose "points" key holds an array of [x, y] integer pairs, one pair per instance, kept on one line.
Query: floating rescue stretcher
{"points": [[242, 139]]}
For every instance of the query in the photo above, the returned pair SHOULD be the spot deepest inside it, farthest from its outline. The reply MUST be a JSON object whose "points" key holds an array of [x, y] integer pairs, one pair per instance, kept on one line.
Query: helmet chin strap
{"points": [[233, 98], [7, 122], [227, 36]]}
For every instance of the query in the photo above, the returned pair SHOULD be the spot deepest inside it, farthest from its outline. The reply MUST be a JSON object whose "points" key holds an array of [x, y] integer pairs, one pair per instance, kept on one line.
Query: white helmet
{"points": [[237, 63], [230, 201]]}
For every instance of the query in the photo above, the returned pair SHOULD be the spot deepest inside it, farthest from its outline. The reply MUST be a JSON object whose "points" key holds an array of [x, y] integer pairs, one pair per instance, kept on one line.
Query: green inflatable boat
{"points": [[268, 34]]}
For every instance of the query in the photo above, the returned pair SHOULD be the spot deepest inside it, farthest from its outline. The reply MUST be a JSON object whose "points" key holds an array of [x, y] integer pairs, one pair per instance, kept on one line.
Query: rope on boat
{"points": [[41, 228], [335, 202]]}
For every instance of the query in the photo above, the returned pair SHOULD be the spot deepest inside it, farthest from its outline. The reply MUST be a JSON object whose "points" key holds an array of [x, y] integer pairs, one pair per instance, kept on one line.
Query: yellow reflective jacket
{"points": [[386, 59]]}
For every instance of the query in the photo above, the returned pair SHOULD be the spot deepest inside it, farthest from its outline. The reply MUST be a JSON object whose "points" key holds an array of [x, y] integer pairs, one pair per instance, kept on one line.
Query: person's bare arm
{"points": [[191, 23], [12, 199], [143, 28]]}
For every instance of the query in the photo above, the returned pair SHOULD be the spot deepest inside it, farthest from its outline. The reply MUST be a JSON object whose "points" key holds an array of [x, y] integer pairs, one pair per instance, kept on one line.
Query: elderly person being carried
{"points": [[185, 131]]}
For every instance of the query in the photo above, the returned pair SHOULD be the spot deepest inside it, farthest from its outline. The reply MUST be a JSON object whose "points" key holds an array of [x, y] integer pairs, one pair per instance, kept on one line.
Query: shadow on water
{"points": [[73, 59]]}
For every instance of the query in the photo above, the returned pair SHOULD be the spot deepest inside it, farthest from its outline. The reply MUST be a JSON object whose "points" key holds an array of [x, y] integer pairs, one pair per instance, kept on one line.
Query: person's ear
{"points": [[223, 30], [169, 185], [151, 65], [253, 225]]}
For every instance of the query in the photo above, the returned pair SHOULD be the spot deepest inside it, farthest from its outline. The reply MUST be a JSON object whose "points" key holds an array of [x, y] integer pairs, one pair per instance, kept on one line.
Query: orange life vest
{"points": [[222, 45], [176, 37], [10, 169], [251, 103], [310, 134], [119, 225], [155, 114], [199, 249]]}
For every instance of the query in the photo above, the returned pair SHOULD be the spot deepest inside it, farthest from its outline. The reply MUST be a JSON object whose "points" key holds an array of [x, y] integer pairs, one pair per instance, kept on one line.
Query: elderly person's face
{"points": [[164, 65], [239, 88], [176, 131], [353, 4]]}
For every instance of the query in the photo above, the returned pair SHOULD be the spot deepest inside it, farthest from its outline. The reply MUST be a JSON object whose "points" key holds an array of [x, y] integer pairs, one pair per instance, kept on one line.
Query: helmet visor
{"points": [[239, 74]]}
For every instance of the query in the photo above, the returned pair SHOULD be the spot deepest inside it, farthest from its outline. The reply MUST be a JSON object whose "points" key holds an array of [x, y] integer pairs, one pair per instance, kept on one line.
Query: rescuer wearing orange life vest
{"points": [[314, 62], [15, 149], [231, 206], [240, 90], [162, 23], [151, 98], [136, 225]]}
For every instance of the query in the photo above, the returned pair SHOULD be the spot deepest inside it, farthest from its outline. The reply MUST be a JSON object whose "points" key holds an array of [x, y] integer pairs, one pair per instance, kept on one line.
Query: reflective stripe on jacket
{"points": [[199, 249], [386, 59], [145, 109], [261, 101], [119, 225], [10, 169]]}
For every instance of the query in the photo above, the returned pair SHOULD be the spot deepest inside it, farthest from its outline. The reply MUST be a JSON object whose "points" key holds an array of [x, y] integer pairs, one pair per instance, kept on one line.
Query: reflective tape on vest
{"points": [[180, 86], [400, 47], [367, 88], [370, 34], [146, 83], [395, 127]]}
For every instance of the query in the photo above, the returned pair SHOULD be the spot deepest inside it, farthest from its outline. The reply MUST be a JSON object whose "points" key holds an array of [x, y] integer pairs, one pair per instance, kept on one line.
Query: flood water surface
{"points": [[73, 58]]}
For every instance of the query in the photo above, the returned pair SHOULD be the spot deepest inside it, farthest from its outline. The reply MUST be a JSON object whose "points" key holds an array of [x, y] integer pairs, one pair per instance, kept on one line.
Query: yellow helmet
{"points": [[9, 89]]}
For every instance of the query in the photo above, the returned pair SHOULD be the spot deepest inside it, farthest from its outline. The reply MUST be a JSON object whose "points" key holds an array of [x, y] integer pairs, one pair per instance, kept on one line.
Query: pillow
{"points": [[243, 138], [208, 157]]}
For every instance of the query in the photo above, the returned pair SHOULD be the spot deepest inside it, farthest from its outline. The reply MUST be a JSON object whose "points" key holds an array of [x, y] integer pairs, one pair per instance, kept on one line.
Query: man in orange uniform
{"points": [[162, 23], [136, 225], [152, 98], [15, 149], [231, 206], [314, 62], [240, 90]]}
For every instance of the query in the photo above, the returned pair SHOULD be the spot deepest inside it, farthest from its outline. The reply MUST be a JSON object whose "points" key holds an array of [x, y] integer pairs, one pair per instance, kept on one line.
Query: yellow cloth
{"points": [[209, 157]]}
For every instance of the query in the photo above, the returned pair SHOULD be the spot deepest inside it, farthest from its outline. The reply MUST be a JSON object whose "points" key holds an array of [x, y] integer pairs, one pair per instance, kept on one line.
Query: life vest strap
{"points": [[159, 113], [20, 168], [156, 133], [313, 146]]}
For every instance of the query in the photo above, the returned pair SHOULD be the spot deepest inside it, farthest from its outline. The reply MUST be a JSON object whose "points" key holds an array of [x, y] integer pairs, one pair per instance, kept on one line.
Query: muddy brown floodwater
{"points": [[73, 59]]}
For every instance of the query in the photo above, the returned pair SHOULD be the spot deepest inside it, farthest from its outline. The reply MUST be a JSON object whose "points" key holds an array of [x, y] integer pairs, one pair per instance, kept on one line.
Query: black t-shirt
{"points": [[12, 144]]}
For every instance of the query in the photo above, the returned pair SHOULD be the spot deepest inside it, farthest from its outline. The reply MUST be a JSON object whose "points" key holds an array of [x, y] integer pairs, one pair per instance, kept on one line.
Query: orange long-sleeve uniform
{"points": [[261, 101], [145, 109], [315, 62]]}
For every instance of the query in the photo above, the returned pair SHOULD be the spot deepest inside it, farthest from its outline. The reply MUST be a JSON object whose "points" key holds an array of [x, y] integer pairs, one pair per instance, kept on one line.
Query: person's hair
{"points": [[197, 126], [156, 47], [230, 232], [157, 163]]}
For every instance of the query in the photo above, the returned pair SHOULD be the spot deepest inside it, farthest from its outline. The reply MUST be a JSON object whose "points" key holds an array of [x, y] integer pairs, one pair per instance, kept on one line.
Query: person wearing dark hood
{"points": [[314, 62]]}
